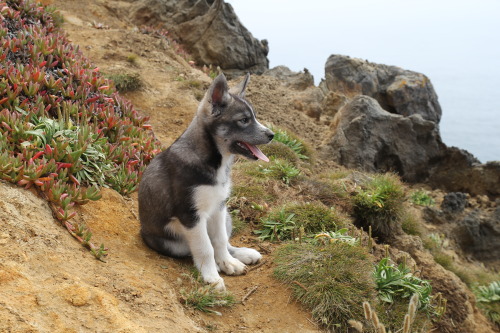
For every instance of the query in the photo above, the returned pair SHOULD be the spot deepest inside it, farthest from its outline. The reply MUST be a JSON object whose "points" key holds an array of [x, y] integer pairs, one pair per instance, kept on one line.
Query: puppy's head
{"points": [[231, 121]]}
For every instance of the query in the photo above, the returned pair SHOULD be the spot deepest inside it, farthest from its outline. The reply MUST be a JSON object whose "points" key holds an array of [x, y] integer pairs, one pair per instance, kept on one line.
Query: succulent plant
{"points": [[63, 127]]}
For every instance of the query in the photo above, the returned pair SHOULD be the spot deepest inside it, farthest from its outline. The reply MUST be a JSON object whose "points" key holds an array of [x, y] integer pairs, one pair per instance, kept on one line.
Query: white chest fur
{"points": [[210, 198]]}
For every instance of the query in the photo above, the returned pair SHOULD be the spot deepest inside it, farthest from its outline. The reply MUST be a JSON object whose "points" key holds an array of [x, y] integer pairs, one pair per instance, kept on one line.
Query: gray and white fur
{"points": [[183, 192]]}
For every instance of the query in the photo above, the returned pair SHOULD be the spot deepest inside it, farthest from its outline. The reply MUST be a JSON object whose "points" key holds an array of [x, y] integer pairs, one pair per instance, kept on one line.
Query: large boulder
{"points": [[397, 90], [209, 30], [369, 138]]}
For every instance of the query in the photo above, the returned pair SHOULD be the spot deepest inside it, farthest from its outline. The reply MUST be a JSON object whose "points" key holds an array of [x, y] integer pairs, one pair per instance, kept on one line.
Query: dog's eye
{"points": [[245, 120]]}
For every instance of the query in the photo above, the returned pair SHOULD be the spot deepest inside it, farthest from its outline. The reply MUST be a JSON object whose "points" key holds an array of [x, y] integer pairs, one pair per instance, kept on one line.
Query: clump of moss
{"points": [[379, 203], [204, 297], [331, 280], [125, 82]]}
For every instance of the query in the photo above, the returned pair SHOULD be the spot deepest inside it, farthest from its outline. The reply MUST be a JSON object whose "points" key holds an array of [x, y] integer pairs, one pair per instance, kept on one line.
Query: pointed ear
{"points": [[239, 89], [219, 90]]}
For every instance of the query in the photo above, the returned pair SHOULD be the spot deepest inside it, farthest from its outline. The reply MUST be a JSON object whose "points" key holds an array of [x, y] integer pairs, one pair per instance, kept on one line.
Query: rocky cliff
{"points": [[209, 30]]}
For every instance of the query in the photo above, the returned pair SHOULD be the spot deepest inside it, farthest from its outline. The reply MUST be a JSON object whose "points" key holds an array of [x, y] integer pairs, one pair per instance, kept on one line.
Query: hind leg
{"points": [[244, 254], [169, 242]]}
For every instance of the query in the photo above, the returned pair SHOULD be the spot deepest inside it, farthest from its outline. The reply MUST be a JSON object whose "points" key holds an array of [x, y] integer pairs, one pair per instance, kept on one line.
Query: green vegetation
{"points": [[202, 297], [379, 204], [422, 198], [373, 323], [125, 82], [332, 280], [299, 220], [336, 236], [410, 223], [132, 58], [294, 143], [277, 150], [280, 169], [398, 282], [488, 298], [278, 226]]}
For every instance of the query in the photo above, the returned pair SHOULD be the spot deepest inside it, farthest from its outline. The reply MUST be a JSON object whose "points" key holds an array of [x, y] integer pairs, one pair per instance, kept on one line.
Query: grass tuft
{"points": [[330, 280], [379, 203], [126, 82], [206, 298], [280, 170], [305, 219]]}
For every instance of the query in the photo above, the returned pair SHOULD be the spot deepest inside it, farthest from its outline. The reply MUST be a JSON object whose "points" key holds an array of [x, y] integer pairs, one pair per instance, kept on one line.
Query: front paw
{"points": [[246, 255], [232, 266], [216, 282]]}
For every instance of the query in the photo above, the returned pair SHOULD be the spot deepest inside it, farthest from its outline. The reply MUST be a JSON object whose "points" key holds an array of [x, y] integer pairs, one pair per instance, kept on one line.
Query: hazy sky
{"points": [[455, 43]]}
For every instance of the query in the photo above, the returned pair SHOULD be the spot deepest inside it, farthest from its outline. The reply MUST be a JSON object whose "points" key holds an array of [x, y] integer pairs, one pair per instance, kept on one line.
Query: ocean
{"points": [[455, 43]]}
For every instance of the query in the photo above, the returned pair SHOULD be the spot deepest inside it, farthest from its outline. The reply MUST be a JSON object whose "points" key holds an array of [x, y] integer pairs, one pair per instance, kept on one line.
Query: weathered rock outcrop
{"points": [[366, 138], [209, 30], [370, 138], [397, 90], [458, 170], [478, 234], [295, 80]]}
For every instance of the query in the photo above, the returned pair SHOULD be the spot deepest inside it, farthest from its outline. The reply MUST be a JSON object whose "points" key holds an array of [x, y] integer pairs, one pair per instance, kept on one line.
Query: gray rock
{"points": [[478, 234], [295, 80], [368, 138], [397, 90], [454, 202], [209, 30]]}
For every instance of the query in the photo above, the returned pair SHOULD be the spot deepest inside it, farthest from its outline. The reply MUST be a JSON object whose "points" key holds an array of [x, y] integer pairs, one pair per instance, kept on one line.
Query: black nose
{"points": [[270, 136]]}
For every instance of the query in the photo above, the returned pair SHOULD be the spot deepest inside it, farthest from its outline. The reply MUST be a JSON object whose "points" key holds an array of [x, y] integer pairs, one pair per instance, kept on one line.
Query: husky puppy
{"points": [[183, 192]]}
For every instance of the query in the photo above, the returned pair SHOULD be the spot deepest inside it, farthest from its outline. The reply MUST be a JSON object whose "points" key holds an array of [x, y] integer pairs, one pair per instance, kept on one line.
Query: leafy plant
{"points": [[336, 236], [292, 142], [422, 198], [277, 226], [488, 298], [280, 169], [488, 294], [398, 282]]}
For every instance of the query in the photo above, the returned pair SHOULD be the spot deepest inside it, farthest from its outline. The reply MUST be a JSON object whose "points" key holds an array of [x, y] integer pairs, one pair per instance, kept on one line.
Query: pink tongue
{"points": [[257, 152]]}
